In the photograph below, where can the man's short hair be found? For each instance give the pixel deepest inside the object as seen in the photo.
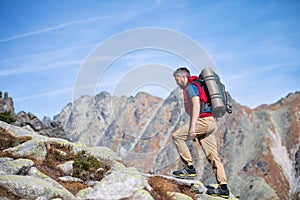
(182, 71)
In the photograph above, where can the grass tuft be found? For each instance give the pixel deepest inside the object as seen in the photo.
(161, 186)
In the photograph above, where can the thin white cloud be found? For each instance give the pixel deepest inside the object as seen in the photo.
(45, 94)
(30, 68)
(49, 53)
(33, 62)
(53, 28)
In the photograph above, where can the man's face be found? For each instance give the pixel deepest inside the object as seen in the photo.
(181, 81)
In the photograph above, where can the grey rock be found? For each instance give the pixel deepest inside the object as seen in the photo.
(28, 127)
(34, 172)
(199, 188)
(122, 184)
(46, 121)
(6, 103)
(177, 195)
(84, 192)
(141, 194)
(53, 129)
(5, 159)
(34, 149)
(29, 119)
(103, 153)
(92, 183)
(66, 168)
(27, 187)
(18, 132)
(70, 178)
(18, 167)
(46, 127)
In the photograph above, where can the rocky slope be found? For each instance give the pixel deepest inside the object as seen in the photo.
(259, 147)
(33, 166)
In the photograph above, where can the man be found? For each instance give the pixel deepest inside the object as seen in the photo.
(201, 126)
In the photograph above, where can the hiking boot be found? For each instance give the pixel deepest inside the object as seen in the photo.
(186, 172)
(220, 192)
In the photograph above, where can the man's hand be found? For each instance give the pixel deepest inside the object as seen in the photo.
(192, 133)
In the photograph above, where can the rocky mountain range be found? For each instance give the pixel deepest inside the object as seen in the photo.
(259, 147)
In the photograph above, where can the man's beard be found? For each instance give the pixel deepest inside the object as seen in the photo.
(181, 87)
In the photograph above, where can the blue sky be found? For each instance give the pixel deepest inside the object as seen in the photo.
(254, 44)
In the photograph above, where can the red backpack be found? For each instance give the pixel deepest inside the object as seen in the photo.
(205, 109)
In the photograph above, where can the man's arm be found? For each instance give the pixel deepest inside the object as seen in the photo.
(194, 116)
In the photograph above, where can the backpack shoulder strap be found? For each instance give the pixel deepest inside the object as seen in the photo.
(204, 102)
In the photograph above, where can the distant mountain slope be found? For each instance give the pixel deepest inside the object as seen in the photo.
(260, 147)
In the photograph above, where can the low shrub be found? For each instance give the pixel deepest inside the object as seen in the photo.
(87, 167)
(7, 117)
(7, 140)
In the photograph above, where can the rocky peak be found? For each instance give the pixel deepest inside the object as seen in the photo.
(291, 100)
(258, 146)
(6, 103)
(28, 120)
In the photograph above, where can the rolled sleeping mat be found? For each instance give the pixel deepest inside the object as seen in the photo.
(218, 107)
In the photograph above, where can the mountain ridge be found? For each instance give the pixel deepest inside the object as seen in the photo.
(260, 147)
(260, 136)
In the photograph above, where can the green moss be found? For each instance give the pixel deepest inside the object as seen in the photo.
(7, 117)
(86, 167)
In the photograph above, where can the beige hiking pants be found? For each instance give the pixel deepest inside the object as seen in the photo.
(205, 131)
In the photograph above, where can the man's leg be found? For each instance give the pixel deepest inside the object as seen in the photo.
(210, 148)
(180, 137)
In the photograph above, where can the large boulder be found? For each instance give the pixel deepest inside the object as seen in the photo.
(28, 187)
(33, 149)
(18, 167)
(122, 184)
